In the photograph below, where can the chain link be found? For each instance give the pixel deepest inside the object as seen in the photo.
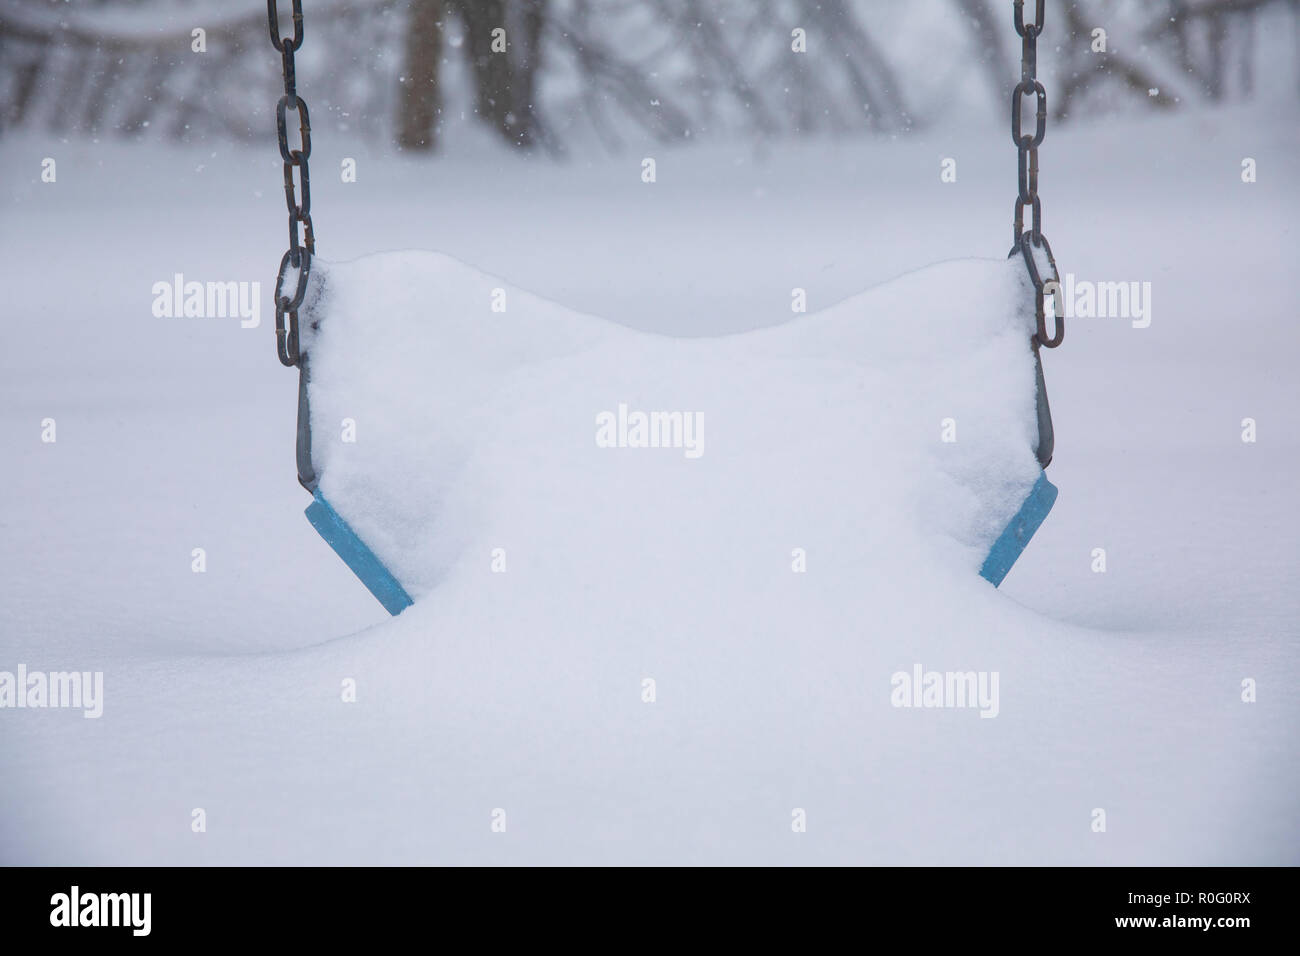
(1026, 242)
(297, 189)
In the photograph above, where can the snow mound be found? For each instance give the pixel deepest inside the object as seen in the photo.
(619, 646)
(460, 424)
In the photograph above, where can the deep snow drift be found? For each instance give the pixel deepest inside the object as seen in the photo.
(502, 421)
(523, 691)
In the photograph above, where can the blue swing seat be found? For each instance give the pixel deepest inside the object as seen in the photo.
(380, 582)
(338, 534)
(1009, 545)
(462, 364)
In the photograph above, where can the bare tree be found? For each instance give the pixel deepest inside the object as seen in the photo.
(542, 73)
(1083, 70)
(871, 76)
(527, 68)
(505, 51)
(989, 32)
(421, 99)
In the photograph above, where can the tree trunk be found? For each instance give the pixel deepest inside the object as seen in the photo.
(421, 100)
(492, 74)
(528, 64)
(989, 32)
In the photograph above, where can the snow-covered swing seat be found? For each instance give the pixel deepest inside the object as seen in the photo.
(448, 419)
(438, 436)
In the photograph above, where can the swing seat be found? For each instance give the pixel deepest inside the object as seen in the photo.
(361, 561)
(458, 423)
(1011, 543)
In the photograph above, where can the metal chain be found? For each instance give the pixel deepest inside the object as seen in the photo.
(1026, 241)
(301, 249)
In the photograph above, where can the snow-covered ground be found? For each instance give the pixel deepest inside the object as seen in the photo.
(523, 691)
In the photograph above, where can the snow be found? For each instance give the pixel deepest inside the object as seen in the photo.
(445, 432)
(523, 690)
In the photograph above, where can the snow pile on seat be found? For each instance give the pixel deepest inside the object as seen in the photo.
(654, 654)
(456, 418)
